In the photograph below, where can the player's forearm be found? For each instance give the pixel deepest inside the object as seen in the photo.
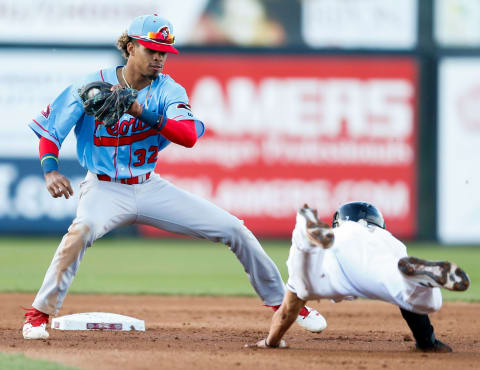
(284, 318)
(48, 152)
(178, 132)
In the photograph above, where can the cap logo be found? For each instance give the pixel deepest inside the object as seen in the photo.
(162, 36)
(165, 32)
(46, 112)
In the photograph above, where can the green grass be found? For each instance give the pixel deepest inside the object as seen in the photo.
(20, 362)
(184, 267)
(147, 266)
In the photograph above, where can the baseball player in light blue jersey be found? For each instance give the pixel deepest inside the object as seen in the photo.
(120, 187)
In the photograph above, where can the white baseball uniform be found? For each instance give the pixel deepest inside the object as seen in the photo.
(362, 262)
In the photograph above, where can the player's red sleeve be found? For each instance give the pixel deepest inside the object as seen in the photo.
(47, 147)
(48, 155)
(180, 132)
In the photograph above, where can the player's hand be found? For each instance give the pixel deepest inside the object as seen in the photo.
(135, 109)
(58, 185)
(106, 102)
(263, 344)
(115, 87)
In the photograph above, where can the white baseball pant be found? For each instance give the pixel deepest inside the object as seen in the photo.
(104, 205)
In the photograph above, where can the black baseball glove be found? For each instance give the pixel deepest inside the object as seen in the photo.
(105, 105)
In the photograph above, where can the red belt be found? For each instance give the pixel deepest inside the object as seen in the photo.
(129, 181)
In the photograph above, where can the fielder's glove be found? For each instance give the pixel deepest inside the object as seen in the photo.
(105, 105)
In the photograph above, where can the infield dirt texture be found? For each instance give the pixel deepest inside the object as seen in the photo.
(210, 333)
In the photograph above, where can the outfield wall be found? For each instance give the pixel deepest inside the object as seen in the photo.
(300, 129)
(313, 101)
(459, 150)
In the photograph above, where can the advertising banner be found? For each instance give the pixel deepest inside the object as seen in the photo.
(29, 80)
(457, 23)
(88, 22)
(284, 131)
(382, 24)
(25, 204)
(458, 151)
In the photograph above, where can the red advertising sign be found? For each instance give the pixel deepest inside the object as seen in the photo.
(282, 131)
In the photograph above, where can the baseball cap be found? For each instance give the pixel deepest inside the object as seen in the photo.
(153, 32)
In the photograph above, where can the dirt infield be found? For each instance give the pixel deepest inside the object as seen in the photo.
(210, 333)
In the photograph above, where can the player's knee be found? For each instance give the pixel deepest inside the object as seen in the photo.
(236, 229)
(72, 244)
(78, 234)
(433, 305)
(232, 232)
(70, 249)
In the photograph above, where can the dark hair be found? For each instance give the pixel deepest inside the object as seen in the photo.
(122, 43)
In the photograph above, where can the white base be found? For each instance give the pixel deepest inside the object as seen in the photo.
(97, 321)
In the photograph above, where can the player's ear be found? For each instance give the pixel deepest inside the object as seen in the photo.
(131, 46)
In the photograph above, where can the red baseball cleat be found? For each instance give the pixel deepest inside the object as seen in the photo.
(35, 326)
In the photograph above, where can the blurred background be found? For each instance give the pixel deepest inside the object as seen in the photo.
(317, 101)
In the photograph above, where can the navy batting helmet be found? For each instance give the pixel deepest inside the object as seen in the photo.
(355, 211)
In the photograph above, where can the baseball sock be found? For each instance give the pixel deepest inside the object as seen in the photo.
(421, 328)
